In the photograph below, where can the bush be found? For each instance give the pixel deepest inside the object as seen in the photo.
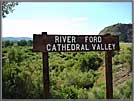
(121, 93)
(90, 61)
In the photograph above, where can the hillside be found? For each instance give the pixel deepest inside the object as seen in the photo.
(123, 30)
(16, 38)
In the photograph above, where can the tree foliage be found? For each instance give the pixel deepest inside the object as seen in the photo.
(8, 7)
(7, 43)
(25, 43)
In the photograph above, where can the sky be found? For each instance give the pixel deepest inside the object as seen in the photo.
(77, 18)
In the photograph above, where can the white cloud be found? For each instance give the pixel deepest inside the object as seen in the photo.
(19, 28)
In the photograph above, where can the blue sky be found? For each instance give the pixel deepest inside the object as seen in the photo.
(90, 18)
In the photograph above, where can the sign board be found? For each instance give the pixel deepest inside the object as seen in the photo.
(70, 43)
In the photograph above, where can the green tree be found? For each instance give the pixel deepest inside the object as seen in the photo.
(29, 43)
(7, 43)
(7, 7)
(22, 43)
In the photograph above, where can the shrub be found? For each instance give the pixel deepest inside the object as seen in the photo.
(90, 61)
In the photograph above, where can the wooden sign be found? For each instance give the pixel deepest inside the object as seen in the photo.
(70, 43)
(74, 43)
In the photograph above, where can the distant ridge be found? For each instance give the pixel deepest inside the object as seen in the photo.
(16, 38)
(124, 31)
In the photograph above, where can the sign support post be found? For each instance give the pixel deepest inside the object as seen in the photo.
(45, 73)
(108, 71)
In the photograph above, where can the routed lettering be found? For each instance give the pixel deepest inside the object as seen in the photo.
(69, 43)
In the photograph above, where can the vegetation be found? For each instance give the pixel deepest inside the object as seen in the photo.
(7, 7)
(25, 43)
(7, 43)
(73, 75)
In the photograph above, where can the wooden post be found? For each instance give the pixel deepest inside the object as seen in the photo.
(109, 81)
(45, 73)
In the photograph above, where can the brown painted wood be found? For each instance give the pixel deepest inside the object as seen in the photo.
(45, 73)
(108, 71)
(40, 41)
